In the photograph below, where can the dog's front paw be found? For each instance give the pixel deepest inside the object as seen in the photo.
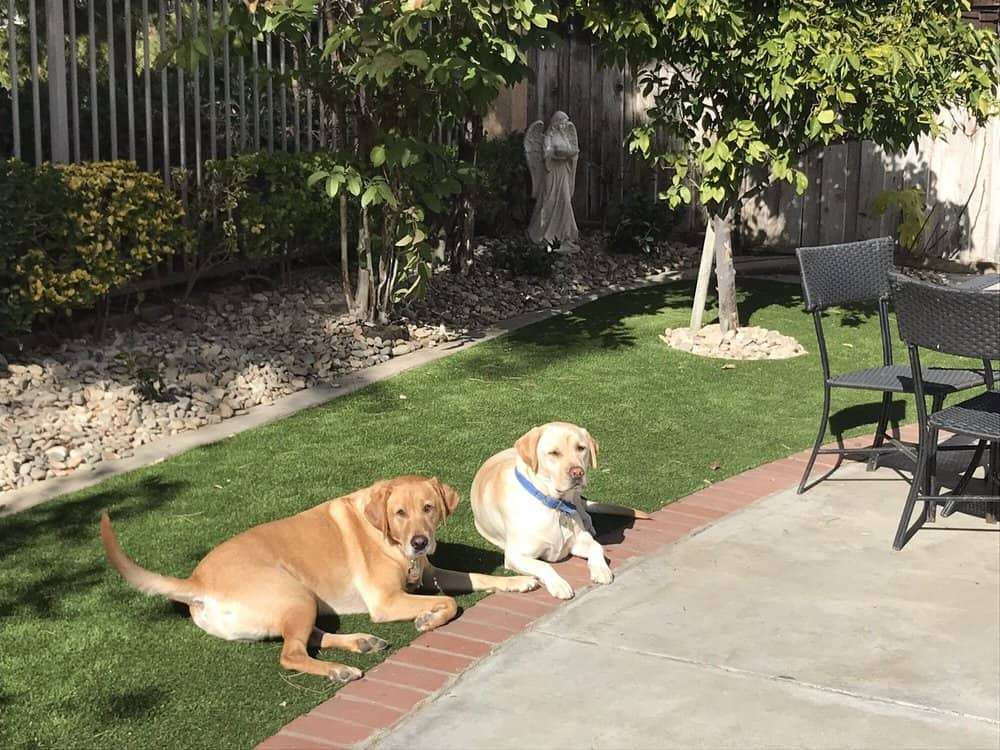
(365, 643)
(519, 584)
(559, 588)
(343, 673)
(601, 574)
(434, 618)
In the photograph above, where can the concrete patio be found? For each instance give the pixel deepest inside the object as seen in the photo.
(789, 624)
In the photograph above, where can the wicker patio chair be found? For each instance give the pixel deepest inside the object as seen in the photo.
(966, 324)
(858, 272)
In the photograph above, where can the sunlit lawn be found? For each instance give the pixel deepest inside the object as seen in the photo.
(87, 662)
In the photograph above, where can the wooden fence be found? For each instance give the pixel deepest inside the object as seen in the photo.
(959, 173)
(81, 84)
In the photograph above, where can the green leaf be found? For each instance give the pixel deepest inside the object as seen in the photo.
(378, 156)
(826, 116)
(417, 58)
(316, 177)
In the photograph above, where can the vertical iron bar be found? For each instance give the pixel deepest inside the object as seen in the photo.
(309, 101)
(270, 96)
(256, 96)
(95, 141)
(322, 106)
(129, 79)
(164, 104)
(211, 83)
(181, 139)
(284, 97)
(241, 81)
(195, 13)
(55, 48)
(146, 85)
(228, 109)
(12, 44)
(36, 107)
(112, 91)
(296, 122)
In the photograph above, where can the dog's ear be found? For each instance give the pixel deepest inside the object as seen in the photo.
(449, 497)
(527, 447)
(592, 444)
(376, 510)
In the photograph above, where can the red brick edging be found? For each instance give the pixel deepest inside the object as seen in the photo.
(407, 678)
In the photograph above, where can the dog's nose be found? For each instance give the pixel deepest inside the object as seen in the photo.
(419, 543)
(576, 472)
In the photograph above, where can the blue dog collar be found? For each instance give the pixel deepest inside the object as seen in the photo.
(549, 502)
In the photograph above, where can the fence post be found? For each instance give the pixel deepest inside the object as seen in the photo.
(55, 38)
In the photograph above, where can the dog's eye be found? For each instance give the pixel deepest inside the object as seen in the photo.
(555, 453)
(581, 447)
(401, 513)
(428, 508)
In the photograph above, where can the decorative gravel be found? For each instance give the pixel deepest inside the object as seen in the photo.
(67, 408)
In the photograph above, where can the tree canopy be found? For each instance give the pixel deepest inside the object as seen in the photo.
(747, 88)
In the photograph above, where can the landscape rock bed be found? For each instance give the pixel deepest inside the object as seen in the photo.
(747, 343)
(69, 407)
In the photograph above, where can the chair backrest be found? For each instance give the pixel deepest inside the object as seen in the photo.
(839, 274)
(947, 319)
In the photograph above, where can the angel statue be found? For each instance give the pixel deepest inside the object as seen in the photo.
(552, 155)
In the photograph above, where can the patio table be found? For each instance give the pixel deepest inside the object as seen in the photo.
(987, 282)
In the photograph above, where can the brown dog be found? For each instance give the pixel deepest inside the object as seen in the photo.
(362, 553)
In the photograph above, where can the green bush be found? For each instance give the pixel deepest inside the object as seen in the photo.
(504, 187)
(643, 222)
(259, 205)
(71, 234)
(521, 256)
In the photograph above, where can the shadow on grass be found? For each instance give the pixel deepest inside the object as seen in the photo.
(70, 523)
(466, 558)
(861, 415)
(133, 704)
(601, 327)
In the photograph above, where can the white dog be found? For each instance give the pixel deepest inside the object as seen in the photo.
(527, 501)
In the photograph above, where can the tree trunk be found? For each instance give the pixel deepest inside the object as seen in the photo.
(729, 319)
(370, 282)
(465, 226)
(345, 272)
(704, 276)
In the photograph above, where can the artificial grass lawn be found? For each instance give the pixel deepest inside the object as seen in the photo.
(87, 662)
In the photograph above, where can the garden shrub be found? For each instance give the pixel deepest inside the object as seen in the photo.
(504, 201)
(643, 222)
(259, 205)
(72, 234)
(521, 256)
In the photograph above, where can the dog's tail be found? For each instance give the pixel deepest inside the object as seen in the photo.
(146, 581)
(616, 510)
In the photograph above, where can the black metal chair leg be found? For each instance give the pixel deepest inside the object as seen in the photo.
(819, 440)
(963, 484)
(993, 478)
(930, 506)
(883, 423)
(903, 532)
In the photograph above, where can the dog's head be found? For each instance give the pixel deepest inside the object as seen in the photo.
(558, 454)
(408, 511)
